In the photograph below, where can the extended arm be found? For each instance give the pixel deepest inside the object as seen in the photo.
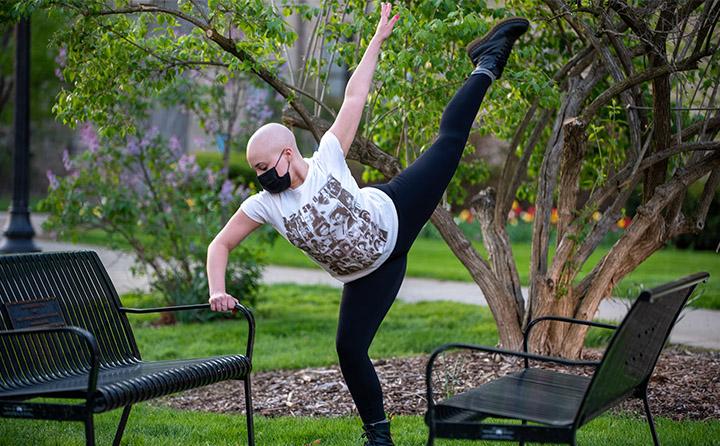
(358, 87)
(234, 232)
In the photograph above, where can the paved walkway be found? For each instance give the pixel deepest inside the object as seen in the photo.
(698, 328)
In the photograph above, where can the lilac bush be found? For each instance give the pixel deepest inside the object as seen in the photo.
(145, 193)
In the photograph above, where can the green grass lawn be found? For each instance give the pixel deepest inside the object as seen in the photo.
(295, 328)
(432, 258)
(155, 426)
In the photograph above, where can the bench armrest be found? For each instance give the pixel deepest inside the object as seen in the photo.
(238, 307)
(500, 351)
(568, 320)
(84, 335)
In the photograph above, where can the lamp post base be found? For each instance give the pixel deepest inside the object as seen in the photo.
(18, 234)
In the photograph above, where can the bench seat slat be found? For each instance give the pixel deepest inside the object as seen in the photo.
(120, 386)
(539, 395)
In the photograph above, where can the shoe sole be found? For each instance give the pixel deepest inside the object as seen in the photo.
(480, 40)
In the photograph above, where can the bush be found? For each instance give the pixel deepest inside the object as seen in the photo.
(162, 204)
(239, 170)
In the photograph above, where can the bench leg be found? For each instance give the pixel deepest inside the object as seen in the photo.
(89, 430)
(524, 423)
(249, 412)
(650, 419)
(430, 421)
(121, 426)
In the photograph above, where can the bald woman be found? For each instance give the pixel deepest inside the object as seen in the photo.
(361, 236)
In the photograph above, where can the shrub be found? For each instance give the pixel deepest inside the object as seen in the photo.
(239, 170)
(161, 203)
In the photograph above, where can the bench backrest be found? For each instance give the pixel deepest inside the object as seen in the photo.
(81, 288)
(635, 347)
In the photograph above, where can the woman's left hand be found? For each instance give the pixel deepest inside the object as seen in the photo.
(385, 26)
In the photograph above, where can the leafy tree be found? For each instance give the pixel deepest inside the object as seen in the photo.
(601, 100)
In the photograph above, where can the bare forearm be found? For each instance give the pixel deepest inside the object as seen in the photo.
(358, 86)
(217, 258)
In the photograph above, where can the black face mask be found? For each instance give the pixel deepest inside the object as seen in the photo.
(272, 182)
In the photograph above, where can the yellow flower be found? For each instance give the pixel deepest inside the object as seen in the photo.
(190, 202)
(97, 212)
(554, 217)
(596, 216)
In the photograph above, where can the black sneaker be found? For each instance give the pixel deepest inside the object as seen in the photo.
(377, 434)
(492, 50)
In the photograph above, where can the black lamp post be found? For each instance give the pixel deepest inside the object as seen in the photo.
(19, 232)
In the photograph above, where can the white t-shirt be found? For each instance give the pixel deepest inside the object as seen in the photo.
(346, 230)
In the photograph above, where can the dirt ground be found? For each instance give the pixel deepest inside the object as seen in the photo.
(685, 386)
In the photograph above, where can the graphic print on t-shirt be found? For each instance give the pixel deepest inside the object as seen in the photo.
(335, 231)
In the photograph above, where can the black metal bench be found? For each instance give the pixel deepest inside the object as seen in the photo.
(64, 334)
(558, 404)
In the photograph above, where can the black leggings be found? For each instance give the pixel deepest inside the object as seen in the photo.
(416, 191)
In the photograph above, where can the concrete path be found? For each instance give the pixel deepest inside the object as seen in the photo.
(697, 327)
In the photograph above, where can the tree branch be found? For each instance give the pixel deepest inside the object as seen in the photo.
(606, 273)
(362, 150)
(229, 46)
(497, 244)
(619, 87)
(697, 223)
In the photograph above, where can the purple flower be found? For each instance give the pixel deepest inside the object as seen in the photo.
(175, 146)
(54, 183)
(89, 137)
(60, 60)
(149, 136)
(170, 179)
(130, 180)
(226, 192)
(61, 57)
(66, 160)
(133, 149)
(198, 141)
(211, 179)
(187, 165)
(211, 126)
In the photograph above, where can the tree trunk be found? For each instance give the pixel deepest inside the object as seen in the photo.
(500, 301)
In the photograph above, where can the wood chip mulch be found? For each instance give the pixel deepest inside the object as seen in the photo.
(685, 386)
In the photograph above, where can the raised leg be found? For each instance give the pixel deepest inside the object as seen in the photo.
(121, 426)
(417, 190)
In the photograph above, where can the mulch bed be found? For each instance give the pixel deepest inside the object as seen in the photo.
(684, 386)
